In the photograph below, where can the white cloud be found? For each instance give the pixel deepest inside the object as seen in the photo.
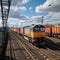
(17, 20)
(30, 8)
(52, 7)
(49, 6)
(12, 22)
(32, 20)
(9, 19)
(19, 2)
(52, 18)
(16, 9)
(15, 12)
(25, 1)
(35, 19)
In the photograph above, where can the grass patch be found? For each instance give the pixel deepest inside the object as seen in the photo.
(1, 32)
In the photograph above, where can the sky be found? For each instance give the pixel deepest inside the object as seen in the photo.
(27, 12)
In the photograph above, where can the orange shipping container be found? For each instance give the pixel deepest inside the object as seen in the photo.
(17, 30)
(48, 29)
(54, 30)
(58, 30)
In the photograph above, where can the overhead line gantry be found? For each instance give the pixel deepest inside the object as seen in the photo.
(5, 7)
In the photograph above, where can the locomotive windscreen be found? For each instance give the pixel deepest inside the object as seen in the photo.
(36, 28)
(42, 28)
(39, 28)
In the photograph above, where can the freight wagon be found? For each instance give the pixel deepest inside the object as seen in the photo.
(56, 31)
(53, 31)
(48, 31)
(17, 30)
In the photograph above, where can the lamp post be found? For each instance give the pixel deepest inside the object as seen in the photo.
(42, 20)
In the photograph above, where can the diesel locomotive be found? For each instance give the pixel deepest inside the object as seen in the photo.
(34, 33)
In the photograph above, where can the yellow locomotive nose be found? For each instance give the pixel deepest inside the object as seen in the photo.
(38, 34)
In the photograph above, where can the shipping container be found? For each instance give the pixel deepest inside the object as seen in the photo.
(54, 31)
(58, 31)
(48, 31)
(17, 30)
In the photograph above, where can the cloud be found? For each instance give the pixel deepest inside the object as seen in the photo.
(20, 17)
(35, 20)
(30, 8)
(17, 20)
(52, 7)
(16, 12)
(49, 6)
(31, 20)
(19, 2)
(52, 18)
(16, 9)
(12, 21)
(25, 1)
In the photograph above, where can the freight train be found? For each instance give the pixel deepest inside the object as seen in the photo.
(33, 33)
(53, 31)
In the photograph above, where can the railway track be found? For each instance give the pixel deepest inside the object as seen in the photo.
(47, 53)
(14, 50)
(54, 40)
(19, 51)
(33, 55)
(10, 54)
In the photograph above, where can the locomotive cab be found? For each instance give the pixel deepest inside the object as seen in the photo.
(37, 33)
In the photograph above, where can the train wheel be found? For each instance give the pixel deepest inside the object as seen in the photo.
(59, 36)
(22, 36)
(30, 40)
(54, 35)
